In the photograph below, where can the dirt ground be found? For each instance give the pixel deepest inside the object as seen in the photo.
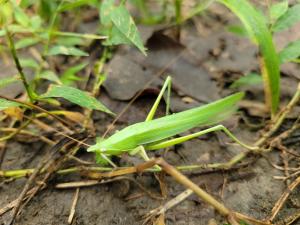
(203, 65)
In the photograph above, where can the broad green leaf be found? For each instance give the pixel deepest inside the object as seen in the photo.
(2, 33)
(26, 42)
(106, 7)
(29, 63)
(249, 79)
(69, 41)
(278, 9)
(257, 28)
(36, 22)
(6, 13)
(63, 50)
(290, 52)
(50, 75)
(125, 24)
(8, 80)
(75, 96)
(4, 104)
(21, 16)
(69, 75)
(288, 19)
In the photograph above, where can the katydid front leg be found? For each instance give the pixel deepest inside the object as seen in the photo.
(167, 84)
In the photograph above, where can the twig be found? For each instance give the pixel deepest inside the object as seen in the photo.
(278, 205)
(179, 177)
(72, 211)
(88, 183)
(47, 160)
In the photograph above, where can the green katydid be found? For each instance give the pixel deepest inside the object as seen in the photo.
(152, 134)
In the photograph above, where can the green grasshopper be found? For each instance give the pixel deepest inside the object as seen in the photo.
(153, 134)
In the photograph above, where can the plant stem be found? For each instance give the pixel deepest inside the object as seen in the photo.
(13, 51)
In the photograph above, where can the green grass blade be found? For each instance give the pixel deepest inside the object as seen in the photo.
(256, 26)
(75, 96)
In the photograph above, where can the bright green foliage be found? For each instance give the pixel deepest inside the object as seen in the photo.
(238, 30)
(63, 50)
(257, 28)
(75, 96)
(288, 19)
(4, 104)
(27, 42)
(290, 52)
(75, 4)
(249, 79)
(145, 133)
(28, 63)
(49, 75)
(120, 26)
(69, 75)
(278, 9)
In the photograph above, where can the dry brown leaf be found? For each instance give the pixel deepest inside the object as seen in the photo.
(73, 116)
(160, 220)
(14, 112)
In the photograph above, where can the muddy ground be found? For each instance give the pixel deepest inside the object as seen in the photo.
(203, 65)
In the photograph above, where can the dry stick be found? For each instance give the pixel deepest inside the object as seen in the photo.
(214, 167)
(29, 133)
(12, 204)
(170, 204)
(179, 177)
(72, 211)
(278, 205)
(50, 114)
(38, 108)
(158, 74)
(93, 182)
(278, 121)
(32, 177)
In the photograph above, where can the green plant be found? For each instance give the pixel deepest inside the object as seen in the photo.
(260, 30)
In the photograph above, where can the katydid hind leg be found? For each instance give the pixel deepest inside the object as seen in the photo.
(179, 140)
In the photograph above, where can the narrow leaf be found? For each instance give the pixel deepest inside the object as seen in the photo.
(50, 75)
(63, 50)
(290, 52)
(107, 6)
(125, 24)
(287, 20)
(4, 104)
(26, 42)
(257, 28)
(75, 96)
(278, 9)
(21, 16)
(29, 63)
(249, 79)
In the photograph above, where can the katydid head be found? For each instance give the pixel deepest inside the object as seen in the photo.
(99, 147)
